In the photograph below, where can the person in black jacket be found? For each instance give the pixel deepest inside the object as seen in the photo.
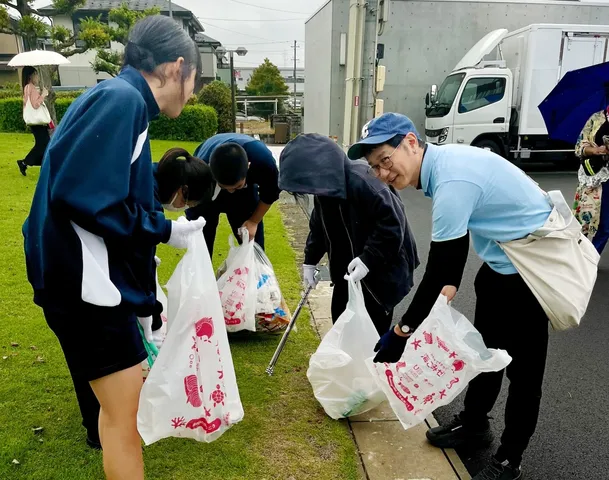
(357, 220)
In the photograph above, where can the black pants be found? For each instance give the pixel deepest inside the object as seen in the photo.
(41, 135)
(381, 317)
(509, 317)
(238, 207)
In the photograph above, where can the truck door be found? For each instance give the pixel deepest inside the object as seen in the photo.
(483, 107)
(581, 51)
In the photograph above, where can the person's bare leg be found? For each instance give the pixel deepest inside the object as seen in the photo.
(118, 395)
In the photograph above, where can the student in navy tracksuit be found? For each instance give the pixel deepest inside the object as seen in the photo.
(93, 228)
(246, 175)
(180, 180)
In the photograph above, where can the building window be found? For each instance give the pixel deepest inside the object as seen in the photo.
(480, 92)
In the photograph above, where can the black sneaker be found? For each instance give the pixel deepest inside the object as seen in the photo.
(22, 167)
(499, 471)
(95, 444)
(458, 433)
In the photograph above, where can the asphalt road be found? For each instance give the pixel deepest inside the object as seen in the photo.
(572, 438)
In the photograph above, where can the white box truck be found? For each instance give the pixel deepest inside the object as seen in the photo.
(491, 97)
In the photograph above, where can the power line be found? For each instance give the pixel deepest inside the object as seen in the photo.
(234, 31)
(269, 8)
(252, 20)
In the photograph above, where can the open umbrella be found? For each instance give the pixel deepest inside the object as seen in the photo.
(578, 95)
(37, 58)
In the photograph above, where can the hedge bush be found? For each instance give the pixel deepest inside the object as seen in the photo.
(11, 115)
(197, 122)
(217, 95)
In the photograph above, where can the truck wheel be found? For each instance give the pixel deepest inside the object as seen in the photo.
(488, 144)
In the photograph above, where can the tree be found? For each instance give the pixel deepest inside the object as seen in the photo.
(93, 34)
(217, 95)
(266, 80)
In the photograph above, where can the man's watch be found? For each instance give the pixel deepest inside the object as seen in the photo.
(406, 330)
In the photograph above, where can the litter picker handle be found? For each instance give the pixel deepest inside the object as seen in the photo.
(284, 338)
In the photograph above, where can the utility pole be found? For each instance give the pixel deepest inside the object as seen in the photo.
(295, 60)
(232, 90)
(170, 10)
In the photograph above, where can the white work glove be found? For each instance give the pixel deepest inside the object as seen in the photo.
(157, 338)
(181, 230)
(146, 324)
(309, 275)
(357, 270)
(157, 260)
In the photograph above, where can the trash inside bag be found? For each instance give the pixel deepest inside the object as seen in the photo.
(337, 370)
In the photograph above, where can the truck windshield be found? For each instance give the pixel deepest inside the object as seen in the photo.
(446, 96)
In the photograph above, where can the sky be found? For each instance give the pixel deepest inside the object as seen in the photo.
(266, 28)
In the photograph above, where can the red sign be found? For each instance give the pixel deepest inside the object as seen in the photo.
(356, 103)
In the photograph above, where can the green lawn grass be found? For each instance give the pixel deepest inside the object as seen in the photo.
(284, 435)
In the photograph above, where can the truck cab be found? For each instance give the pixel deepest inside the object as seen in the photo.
(473, 104)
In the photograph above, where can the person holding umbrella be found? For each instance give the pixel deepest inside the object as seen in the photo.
(36, 116)
(575, 111)
(591, 204)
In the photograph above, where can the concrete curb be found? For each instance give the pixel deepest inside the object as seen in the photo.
(385, 449)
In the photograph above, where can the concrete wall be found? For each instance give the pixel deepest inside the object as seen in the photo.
(318, 55)
(424, 40)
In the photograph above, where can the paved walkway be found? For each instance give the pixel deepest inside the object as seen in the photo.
(386, 450)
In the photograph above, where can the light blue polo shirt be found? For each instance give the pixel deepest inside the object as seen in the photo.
(474, 189)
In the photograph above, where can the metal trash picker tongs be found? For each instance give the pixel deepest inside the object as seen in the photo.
(286, 334)
(305, 203)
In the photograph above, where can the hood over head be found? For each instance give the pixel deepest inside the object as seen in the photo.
(315, 165)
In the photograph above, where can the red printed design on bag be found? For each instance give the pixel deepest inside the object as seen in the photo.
(191, 386)
(453, 355)
(209, 427)
(178, 422)
(458, 365)
(399, 365)
(217, 396)
(232, 321)
(397, 393)
(205, 328)
(452, 382)
(404, 387)
(442, 394)
(442, 344)
(428, 338)
(416, 344)
(428, 399)
(238, 271)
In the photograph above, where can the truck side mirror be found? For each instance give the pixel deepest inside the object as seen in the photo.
(433, 94)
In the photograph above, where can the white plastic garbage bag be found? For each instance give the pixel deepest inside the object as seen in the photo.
(237, 286)
(272, 313)
(443, 355)
(191, 390)
(337, 370)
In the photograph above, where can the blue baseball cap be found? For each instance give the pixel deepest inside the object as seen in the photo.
(381, 130)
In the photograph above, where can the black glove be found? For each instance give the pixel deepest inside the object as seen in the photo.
(390, 347)
(157, 321)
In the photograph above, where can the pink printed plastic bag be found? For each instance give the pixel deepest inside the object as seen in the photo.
(443, 355)
(191, 390)
(237, 286)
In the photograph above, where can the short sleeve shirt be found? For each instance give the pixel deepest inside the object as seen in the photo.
(475, 190)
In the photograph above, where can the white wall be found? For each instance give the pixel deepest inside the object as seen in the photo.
(318, 58)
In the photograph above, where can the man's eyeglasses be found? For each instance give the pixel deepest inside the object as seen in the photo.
(385, 164)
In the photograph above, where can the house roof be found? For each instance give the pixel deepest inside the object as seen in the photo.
(98, 6)
(202, 38)
(138, 5)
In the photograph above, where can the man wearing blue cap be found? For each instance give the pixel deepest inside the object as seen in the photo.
(476, 194)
